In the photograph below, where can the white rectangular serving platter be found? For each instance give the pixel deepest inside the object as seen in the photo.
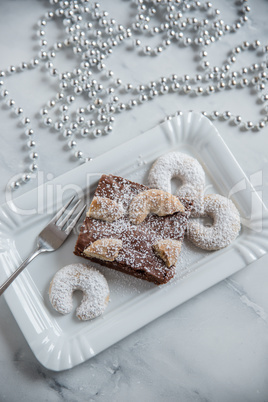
(61, 342)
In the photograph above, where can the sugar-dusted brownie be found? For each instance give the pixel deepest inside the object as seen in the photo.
(116, 235)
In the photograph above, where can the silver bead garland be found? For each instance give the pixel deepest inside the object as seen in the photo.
(92, 35)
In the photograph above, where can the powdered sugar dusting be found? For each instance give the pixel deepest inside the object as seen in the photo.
(79, 277)
(225, 227)
(187, 169)
(137, 256)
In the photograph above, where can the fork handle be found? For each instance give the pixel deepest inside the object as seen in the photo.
(13, 276)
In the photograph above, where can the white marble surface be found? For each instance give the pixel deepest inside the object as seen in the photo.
(215, 346)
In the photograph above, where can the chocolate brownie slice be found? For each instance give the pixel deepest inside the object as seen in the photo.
(136, 255)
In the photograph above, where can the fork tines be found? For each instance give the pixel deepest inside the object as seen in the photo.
(61, 222)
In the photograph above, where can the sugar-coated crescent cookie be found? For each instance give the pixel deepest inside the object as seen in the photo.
(187, 169)
(79, 277)
(225, 227)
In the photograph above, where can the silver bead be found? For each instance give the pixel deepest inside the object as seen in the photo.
(237, 120)
(255, 67)
(26, 121)
(158, 49)
(23, 66)
(79, 154)
(108, 129)
(33, 155)
(175, 86)
(129, 87)
(209, 76)
(248, 125)
(97, 133)
(221, 85)
(58, 125)
(78, 90)
(43, 112)
(111, 109)
(73, 126)
(187, 88)
(215, 115)
(179, 36)
(210, 89)
(232, 59)
(237, 50)
(244, 82)
(167, 118)
(29, 132)
(98, 102)
(143, 98)
(205, 64)
(187, 41)
(70, 99)
(147, 50)
(199, 41)
(59, 96)
(11, 102)
(34, 63)
(232, 83)
(15, 185)
(33, 167)
(91, 123)
(4, 93)
(67, 133)
(246, 9)
(244, 70)
(186, 78)
(84, 132)
(121, 107)
(114, 99)
(164, 89)
(102, 118)
(31, 144)
(91, 107)
(199, 91)
(12, 69)
(140, 88)
(132, 103)
(48, 121)
(19, 111)
(261, 87)
(71, 144)
(26, 177)
(52, 103)
(204, 53)
(226, 115)
(65, 118)
(226, 67)
(80, 119)
(261, 124)
(245, 45)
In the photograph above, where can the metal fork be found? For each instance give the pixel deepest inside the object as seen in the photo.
(50, 238)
